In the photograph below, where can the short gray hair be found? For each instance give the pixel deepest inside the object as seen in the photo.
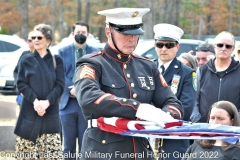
(45, 29)
(225, 32)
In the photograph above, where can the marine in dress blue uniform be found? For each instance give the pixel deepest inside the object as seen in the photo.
(114, 83)
(181, 79)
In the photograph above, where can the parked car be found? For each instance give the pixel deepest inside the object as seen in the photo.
(146, 48)
(11, 48)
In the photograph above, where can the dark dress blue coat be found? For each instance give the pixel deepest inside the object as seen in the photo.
(37, 78)
(186, 93)
(111, 84)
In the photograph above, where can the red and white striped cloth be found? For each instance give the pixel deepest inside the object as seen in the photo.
(169, 130)
(116, 124)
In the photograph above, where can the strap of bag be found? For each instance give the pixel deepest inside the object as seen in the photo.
(54, 62)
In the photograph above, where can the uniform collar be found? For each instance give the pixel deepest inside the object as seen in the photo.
(166, 65)
(117, 56)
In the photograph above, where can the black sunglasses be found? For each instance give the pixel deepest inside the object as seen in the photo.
(38, 37)
(29, 40)
(228, 46)
(167, 45)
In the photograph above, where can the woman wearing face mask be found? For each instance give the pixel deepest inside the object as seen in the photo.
(224, 113)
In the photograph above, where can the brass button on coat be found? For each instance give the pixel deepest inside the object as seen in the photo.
(134, 95)
(134, 103)
(128, 75)
(119, 56)
(103, 141)
(124, 100)
(125, 66)
(132, 85)
(113, 85)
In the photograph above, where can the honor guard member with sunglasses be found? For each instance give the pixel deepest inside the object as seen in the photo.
(180, 78)
(218, 79)
(118, 83)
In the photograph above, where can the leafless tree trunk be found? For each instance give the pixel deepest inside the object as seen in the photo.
(23, 9)
(79, 10)
(231, 10)
(88, 11)
(117, 3)
(172, 11)
(61, 20)
(200, 26)
(53, 19)
(148, 20)
(209, 27)
(101, 30)
(201, 21)
(167, 11)
(176, 12)
(159, 11)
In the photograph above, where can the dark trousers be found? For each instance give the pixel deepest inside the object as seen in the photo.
(173, 149)
(73, 127)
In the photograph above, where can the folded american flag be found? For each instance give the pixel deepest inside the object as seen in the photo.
(170, 130)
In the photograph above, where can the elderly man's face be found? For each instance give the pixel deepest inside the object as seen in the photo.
(125, 43)
(224, 46)
(165, 54)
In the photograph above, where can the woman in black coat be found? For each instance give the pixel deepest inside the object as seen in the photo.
(41, 81)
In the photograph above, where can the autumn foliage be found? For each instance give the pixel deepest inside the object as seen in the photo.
(195, 17)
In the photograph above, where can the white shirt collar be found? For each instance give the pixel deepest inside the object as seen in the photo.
(166, 65)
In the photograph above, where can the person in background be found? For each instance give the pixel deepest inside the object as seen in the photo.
(204, 52)
(73, 121)
(31, 50)
(180, 78)
(217, 79)
(41, 81)
(15, 71)
(224, 113)
(188, 60)
(118, 83)
(236, 56)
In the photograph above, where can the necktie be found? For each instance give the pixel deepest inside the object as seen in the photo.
(163, 69)
(80, 51)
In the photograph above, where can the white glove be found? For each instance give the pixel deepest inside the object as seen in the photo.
(150, 113)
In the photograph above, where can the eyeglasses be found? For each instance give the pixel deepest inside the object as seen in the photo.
(38, 38)
(167, 45)
(228, 46)
(29, 40)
